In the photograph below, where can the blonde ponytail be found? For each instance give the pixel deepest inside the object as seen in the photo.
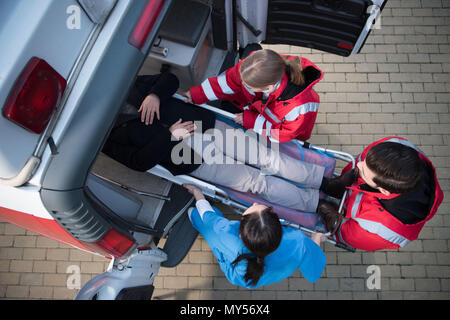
(294, 70)
(267, 67)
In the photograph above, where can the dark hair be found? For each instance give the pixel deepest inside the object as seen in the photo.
(267, 67)
(398, 168)
(261, 233)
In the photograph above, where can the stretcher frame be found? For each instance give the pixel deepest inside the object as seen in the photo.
(218, 194)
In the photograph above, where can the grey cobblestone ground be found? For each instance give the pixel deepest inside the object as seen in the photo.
(399, 85)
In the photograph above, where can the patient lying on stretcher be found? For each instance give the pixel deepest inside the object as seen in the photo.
(165, 130)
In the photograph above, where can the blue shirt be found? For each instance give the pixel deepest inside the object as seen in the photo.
(296, 251)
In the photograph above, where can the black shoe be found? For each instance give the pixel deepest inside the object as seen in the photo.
(335, 187)
(329, 213)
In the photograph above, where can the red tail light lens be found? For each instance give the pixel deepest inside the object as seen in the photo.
(35, 96)
(345, 45)
(144, 26)
(113, 243)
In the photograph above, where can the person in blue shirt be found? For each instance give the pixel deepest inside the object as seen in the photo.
(257, 250)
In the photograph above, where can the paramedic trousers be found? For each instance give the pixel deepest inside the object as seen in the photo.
(238, 160)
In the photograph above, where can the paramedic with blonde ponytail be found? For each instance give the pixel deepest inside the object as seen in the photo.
(275, 93)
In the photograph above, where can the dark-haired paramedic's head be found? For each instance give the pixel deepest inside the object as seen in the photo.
(260, 231)
(391, 167)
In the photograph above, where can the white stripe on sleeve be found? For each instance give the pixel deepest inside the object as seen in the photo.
(222, 80)
(259, 124)
(208, 90)
(382, 231)
(301, 110)
(271, 115)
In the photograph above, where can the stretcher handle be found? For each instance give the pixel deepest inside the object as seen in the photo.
(309, 231)
(344, 246)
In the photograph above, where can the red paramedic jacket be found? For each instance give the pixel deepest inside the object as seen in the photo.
(367, 225)
(280, 120)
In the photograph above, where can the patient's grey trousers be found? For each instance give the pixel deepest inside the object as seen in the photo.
(240, 161)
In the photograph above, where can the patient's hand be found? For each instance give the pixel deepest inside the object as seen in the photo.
(148, 109)
(181, 130)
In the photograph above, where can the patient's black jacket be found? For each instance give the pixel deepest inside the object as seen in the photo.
(140, 146)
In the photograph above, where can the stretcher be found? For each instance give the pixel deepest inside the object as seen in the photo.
(308, 222)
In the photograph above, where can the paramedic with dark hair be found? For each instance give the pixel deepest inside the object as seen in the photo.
(257, 250)
(271, 94)
(394, 191)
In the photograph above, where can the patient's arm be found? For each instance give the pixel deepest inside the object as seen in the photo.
(163, 85)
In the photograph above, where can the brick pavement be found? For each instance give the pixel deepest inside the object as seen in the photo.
(399, 85)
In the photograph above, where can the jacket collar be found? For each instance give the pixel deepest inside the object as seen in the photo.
(361, 186)
(283, 83)
(312, 76)
(274, 95)
(308, 63)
